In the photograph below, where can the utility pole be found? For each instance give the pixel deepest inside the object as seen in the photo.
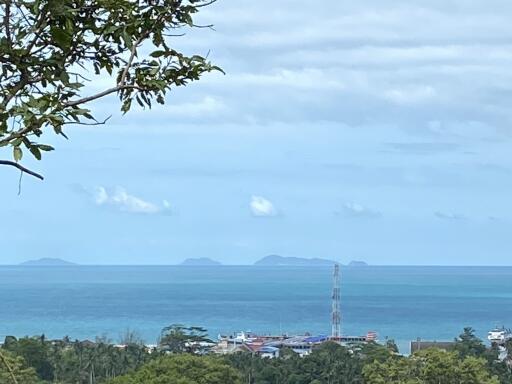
(336, 310)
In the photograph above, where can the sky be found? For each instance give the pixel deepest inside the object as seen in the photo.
(348, 130)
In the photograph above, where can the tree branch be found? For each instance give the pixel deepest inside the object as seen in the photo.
(96, 122)
(101, 94)
(37, 29)
(205, 4)
(130, 61)
(21, 168)
(24, 80)
(7, 22)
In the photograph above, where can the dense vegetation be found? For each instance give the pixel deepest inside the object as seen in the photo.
(39, 361)
(183, 369)
(74, 362)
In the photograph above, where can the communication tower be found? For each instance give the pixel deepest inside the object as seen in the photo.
(336, 310)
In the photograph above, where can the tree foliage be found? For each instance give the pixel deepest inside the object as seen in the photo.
(468, 344)
(38, 360)
(330, 364)
(51, 49)
(431, 366)
(76, 362)
(14, 370)
(183, 369)
(35, 352)
(178, 338)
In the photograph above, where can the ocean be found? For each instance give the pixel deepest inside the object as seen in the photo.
(400, 303)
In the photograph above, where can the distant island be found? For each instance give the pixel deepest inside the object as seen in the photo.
(47, 262)
(276, 260)
(200, 261)
(356, 263)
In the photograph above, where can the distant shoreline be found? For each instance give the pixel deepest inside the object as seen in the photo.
(371, 266)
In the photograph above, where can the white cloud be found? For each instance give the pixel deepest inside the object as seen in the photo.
(449, 216)
(410, 95)
(206, 106)
(120, 199)
(353, 209)
(100, 196)
(261, 207)
(308, 78)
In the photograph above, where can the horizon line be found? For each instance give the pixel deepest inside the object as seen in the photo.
(255, 265)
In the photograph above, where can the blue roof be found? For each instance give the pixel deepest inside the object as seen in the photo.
(268, 349)
(315, 339)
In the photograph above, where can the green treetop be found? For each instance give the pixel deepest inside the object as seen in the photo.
(182, 369)
(14, 370)
(431, 366)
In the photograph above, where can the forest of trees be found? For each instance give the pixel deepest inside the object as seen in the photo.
(36, 360)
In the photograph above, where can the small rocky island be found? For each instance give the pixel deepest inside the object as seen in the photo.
(47, 262)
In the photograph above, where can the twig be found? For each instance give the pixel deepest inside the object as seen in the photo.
(101, 94)
(205, 4)
(130, 61)
(7, 23)
(21, 168)
(96, 122)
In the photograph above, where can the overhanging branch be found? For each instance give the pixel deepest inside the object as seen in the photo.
(101, 94)
(21, 168)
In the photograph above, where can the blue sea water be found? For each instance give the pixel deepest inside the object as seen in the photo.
(402, 303)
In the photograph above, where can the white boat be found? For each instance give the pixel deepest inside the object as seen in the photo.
(499, 335)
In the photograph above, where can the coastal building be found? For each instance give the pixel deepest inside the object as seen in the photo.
(499, 336)
(269, 352)
(271, 345)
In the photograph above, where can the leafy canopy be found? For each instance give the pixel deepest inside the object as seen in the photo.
(177, 338)
(14, 370)
(431, 366)
(50, 49)
(182, 369)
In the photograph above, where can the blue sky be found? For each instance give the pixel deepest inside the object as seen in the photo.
(349, 130)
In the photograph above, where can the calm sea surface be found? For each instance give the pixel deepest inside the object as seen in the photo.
(402, 303)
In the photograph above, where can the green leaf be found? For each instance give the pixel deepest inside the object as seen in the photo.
(58, 130)
(127, 40)
(110, 29)
(46, 148)
(64, 77)
(17, 153)
(17, 142)
(62, 39)
(126, 105)
(36, 152)
(157, 53)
